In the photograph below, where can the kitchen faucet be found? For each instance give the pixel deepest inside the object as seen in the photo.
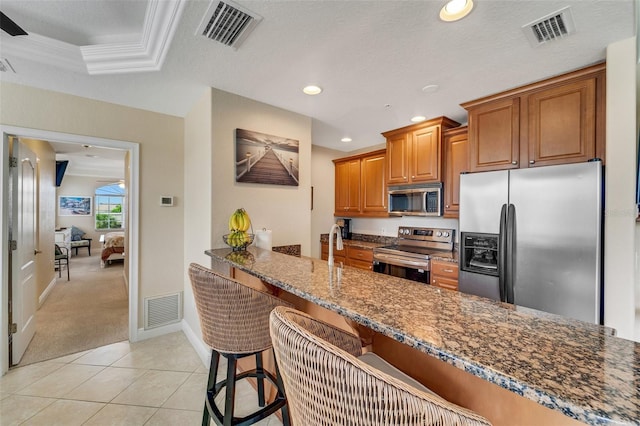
(335, 228)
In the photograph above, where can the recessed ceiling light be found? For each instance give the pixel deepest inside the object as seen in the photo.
(312, 90)
(418, 118)
(455, 10)
(429, 88)
(345, 140)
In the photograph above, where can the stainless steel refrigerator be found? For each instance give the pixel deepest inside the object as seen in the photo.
(533, 237)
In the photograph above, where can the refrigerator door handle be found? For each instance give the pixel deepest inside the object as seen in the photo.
(502, 258)
(510, 253)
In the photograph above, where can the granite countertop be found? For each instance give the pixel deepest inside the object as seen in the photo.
(574, 367)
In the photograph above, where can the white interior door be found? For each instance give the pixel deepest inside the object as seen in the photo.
(22, 301)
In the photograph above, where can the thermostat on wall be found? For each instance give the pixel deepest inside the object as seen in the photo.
(166, 201)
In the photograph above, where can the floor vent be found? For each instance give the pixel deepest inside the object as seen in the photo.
(162, 310)
(551, 27)
(227, 23)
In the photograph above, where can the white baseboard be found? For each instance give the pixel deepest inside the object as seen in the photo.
(46, 291)
(158, 331)
(203, 351)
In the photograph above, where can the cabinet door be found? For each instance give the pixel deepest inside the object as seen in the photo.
(494, 135)
(347, 194)
(425, 155)
(456, 161)
(562, 126)
(397, 159)
(374, 185)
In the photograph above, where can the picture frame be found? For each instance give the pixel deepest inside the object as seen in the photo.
(75, 205)
(266, 159)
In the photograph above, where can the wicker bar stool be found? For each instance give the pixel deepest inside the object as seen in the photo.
(235, 324)
(328, 384)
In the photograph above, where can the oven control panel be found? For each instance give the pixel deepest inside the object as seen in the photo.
(426, 234)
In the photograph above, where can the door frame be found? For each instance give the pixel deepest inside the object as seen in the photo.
(133, 224)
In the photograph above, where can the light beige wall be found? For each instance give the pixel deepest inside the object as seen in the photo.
(46, 212)
(197, 197)
(620, 214)
(161, 172)
(81, 186)
(286, 210)
(323, 182)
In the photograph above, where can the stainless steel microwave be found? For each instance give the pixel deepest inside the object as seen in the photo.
(423, 200)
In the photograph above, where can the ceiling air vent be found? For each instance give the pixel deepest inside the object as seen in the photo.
(228, 23)
(552, 27)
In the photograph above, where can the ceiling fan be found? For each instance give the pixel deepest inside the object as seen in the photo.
(10, 27)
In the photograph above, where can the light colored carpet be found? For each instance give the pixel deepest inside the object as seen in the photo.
(89, 311)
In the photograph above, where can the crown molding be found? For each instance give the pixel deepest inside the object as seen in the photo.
(160, 23)
(45, 50)
(161, 20)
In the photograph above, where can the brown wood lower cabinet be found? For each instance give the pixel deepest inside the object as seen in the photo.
(360, 258)
(338, 255)
(444, 274)
(357, 257)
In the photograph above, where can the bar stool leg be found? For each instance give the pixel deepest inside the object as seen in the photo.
(230, 391)
(280, 383)
(211, 383)
(260, 379)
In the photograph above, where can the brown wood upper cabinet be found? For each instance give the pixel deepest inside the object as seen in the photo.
(456, 161)
(361, 185)
(414, 153)
(555, 121)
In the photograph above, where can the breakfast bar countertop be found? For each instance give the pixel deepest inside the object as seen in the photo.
(574, 367)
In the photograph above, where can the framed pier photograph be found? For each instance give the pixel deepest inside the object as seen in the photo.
(267, 159)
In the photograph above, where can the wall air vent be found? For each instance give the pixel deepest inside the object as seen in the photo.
(227, 23)
(552, 27)
(162, 310)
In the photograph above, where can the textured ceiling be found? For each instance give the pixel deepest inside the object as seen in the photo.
(371, 57)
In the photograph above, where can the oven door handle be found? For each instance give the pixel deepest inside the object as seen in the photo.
(400, 261)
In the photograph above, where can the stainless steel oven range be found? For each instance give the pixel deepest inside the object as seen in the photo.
(410, 257)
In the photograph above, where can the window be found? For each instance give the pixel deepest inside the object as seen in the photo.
(109, 206)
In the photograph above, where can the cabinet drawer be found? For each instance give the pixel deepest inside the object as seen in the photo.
(446, 283)
(356, 253)
(444, 269)
(360, 264)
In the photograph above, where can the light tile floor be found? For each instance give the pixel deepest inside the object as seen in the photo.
(159, 381)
